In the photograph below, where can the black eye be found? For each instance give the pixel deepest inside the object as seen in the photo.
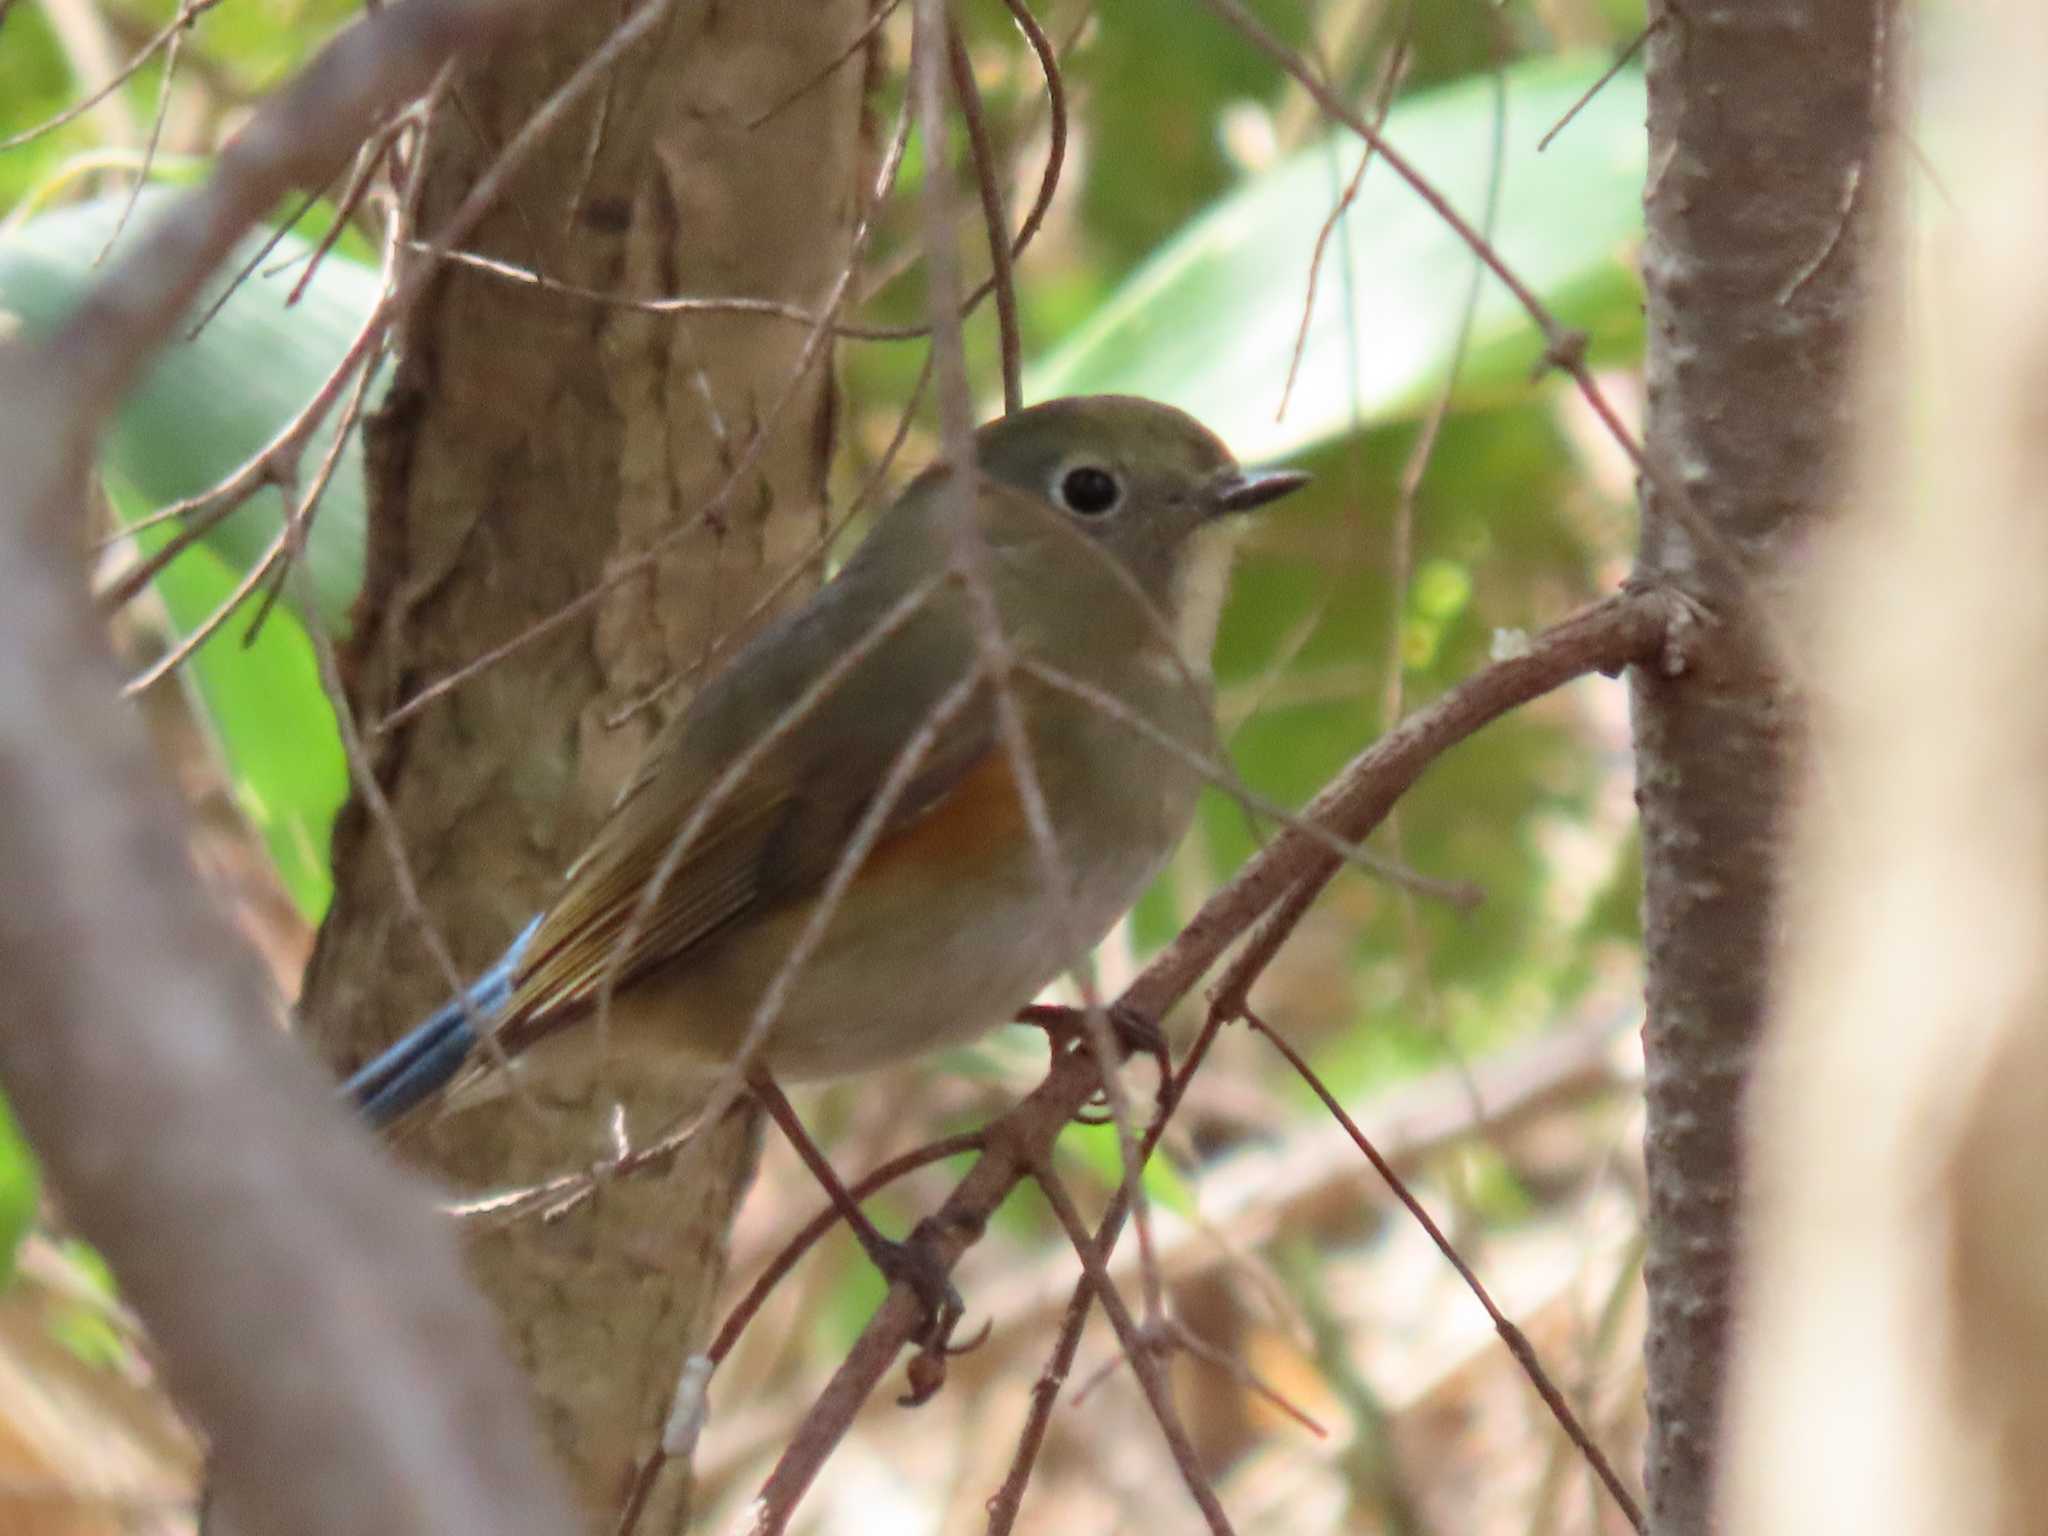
(1089, 490)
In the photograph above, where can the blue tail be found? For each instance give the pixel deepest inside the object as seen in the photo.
(420, 1064)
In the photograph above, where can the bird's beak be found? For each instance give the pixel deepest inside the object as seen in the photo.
(1243, 489)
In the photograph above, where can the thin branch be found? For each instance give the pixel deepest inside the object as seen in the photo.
(807, 559)
(1634, 627)
(972, 562)
(1516, 1342)
(1005, 1504)
(1606, 79)
(1179, 1336)
(1142, 1352)
(189, 12)
(1048, 181)
(275, 463)
(1383, 101)
(275, 236)
(1563, 347)
(807, 1236)
(149, 147)
(968, 94)
(826, 71)
(1461, 895)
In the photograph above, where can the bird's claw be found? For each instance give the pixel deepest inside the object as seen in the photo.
(914, 1265)
(1067, 1029)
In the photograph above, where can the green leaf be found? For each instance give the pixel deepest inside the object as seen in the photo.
(20, 1191)
(268, 714)
(207, 404)
(1209, 323)
(211, 401)
(1095, 1148)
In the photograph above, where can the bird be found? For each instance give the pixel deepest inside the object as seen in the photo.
(875, 722)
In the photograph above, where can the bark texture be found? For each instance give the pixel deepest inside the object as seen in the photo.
(1763, 124)
(532, 444)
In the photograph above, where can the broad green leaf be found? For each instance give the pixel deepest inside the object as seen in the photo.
(1209, 324)
(206, 405)
(211, 401)
(269, 715)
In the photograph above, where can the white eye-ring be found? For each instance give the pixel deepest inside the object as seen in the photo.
(1087, 490)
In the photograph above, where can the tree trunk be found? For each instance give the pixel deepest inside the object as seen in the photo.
(1763, 123)
(533, 444)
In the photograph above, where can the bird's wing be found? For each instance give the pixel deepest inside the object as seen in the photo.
(775, 838)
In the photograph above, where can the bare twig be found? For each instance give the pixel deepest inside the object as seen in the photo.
(1004, 1505)
(1142, 1352)
(838, 61)
(985, 173)
(1563, 348)
(1383, 101)
(1048, 181)
(167, 34)
(149, 147)
(1511, 1336)
(1607, 75)
(971, 560)
(1633, 627)
(1459, 894)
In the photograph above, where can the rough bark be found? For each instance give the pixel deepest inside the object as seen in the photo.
(532, 444)
(1762, 124)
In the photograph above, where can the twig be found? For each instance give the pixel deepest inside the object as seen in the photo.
(1607, 75)
(968, 94)
(1005, 1504)
(275, 463)
(187, 14)
(1460, 895)
(1141, 1351)
(1383, 101)
(808, 559)
(149, 147)
(810, 1232)
(1563, 348)
(1516, 1342)
(1632, 627)
(971, 560)
(1048, 181)
(826, 71)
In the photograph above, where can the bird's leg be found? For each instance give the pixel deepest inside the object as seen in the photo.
(909, 1262)
(1067, 1029)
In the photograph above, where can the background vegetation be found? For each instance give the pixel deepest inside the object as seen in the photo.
(1211, 244)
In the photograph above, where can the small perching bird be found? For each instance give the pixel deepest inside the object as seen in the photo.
(870, 713)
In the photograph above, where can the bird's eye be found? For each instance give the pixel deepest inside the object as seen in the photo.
(1089, 490)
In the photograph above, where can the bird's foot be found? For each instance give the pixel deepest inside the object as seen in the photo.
(914, 1264)
(1066, 1029)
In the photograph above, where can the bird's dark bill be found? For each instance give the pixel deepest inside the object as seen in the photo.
(1247, 489)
